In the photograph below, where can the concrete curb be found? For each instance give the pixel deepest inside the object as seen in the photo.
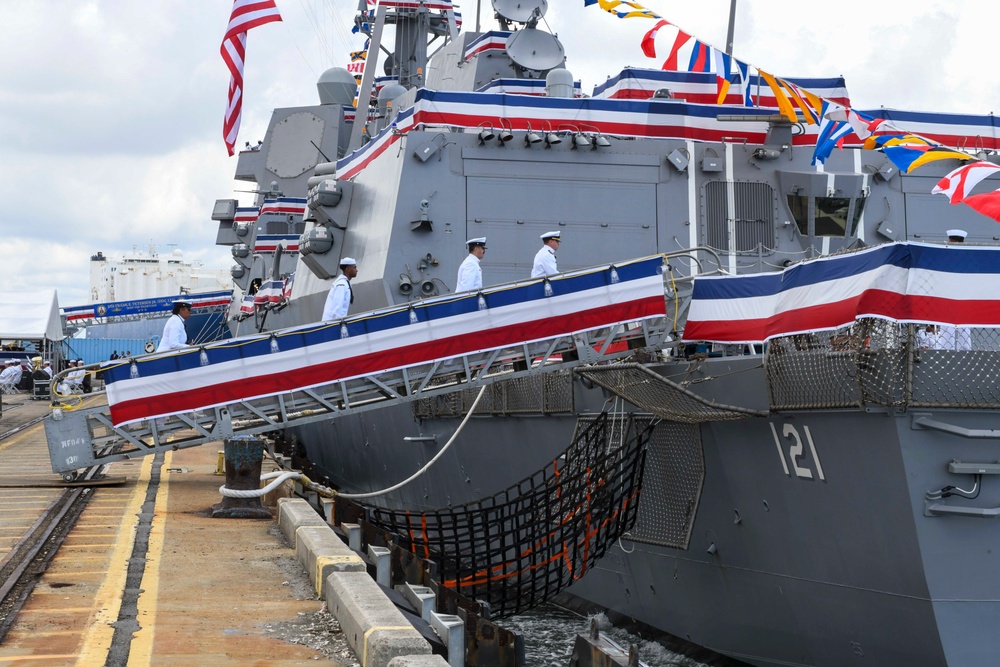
(373, 627)
(376, 631)
(418, 661)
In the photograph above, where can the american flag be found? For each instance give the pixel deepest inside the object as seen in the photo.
(246, 14)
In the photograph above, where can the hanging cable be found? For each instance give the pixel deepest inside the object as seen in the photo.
(454, 436)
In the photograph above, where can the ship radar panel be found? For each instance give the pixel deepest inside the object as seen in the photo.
(520, 11)
(535, 49)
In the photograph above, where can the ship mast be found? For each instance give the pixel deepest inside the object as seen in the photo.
(732, 27)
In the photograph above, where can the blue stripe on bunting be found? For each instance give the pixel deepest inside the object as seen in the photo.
(904, 255)
(394, 318)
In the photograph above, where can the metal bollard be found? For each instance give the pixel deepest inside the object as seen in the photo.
(380, 556)
(244, 455)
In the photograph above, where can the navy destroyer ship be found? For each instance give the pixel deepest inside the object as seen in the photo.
(812, 494)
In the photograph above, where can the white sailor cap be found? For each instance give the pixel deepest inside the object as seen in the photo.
(481, 240)
(551, 235)
(959, 233)
(348, 261)
(181, 302)
(10, 362)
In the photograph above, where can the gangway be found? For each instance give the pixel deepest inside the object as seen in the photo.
(291, 377)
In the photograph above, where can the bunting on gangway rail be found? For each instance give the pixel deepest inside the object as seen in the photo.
(902, 282)
(302, 357)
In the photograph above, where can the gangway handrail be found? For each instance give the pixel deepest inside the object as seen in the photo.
(81, 438)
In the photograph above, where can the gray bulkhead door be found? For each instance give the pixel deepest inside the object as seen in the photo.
(602, 221)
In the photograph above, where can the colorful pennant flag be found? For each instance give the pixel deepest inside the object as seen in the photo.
(987, 203)
(938, 153)
(958, 184)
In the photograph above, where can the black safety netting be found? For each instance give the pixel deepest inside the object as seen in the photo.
(522, 546)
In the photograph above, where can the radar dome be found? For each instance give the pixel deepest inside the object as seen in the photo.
(387, 94)
(337, 86)
(559, 83)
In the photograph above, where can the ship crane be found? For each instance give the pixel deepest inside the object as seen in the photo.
(426, 348)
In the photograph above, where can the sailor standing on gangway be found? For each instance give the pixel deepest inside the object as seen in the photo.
(470, 274)
(545, 259)
(341, 295)
(174, 334)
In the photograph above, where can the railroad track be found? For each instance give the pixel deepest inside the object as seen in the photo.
(29, 556)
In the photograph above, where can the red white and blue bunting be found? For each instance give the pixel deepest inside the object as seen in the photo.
(293, 359)
(903, 282)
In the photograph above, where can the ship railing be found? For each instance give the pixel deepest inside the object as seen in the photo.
(884, 363)
(80, 438)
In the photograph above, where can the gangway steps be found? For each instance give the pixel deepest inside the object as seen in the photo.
(108, 443)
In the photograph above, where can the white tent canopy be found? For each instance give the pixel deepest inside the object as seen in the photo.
(30, 315)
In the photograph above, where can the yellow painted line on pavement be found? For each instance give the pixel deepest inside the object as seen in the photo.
(141, 650)
(97, 640)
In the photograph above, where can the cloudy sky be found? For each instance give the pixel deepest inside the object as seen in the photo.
(111, 110)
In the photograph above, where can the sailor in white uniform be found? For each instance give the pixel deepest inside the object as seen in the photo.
(470, 274)
(545, 259)
(174, 334)
(341, 295)
(956, 235)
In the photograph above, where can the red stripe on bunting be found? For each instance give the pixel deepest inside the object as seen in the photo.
(297, 378)
(881, 303)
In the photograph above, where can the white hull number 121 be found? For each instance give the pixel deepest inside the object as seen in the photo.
(796, 452)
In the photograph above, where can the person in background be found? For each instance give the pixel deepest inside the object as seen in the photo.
(545, 259)
(114, 355)
(74, 379)
(7, 376)
(86, 378)
(470, 274)
(174, 334)
(47, 367)
(341, 295)
(24, 384)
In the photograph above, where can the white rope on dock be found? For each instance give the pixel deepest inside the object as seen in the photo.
(280, 477)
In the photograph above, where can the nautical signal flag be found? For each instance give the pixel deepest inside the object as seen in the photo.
(246, 14)
(958, 184)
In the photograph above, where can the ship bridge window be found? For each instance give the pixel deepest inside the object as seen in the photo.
(859, 207)
(798, 206)
(831, 216)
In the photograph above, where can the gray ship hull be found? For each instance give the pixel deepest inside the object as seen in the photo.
(746, 543)
(896, 587)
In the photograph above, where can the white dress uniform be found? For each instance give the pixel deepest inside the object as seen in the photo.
(545, 263)
(174, 334)
(470, 275)
(545, 259)
(338, 300)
